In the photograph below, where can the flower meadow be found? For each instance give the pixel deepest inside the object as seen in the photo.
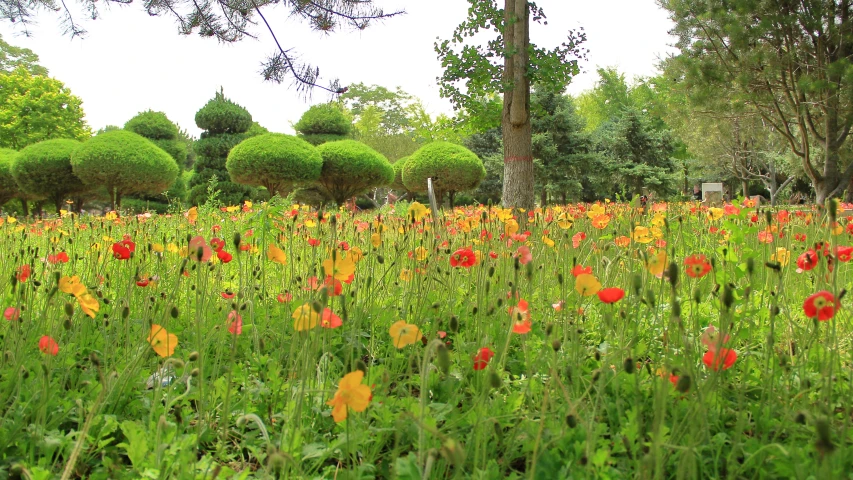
(278, 341)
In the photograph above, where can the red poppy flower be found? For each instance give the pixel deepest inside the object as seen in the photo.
(464, 257)
(697, 266)
(24, 273)
(577, 239)
(236, 327)
(724, 357)
(333, 285)
(521, 317)
(286, 297)
(611, 295)
(524, 255)
(48, 345)
(800, 237)
(228, 295)
(820, 305)
(485, 235)
(198, 244)
(60, 257)
(142, 282)
(482, 358)
(127, 242)
(329, 319)
(313, 242)
(120, 251)
(807, 261)
(11, 314)
(844, 253)
(217, 243)
(581, 270)
(343, 246)
(245, 247)
(224, 256)
(493, 255)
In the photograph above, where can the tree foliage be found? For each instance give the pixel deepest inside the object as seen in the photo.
(124, 163)
(509, 64)
(44, 170)
(159, 130)
(225, 124)
(12, 57)
(789, 61)
(351, 168)
(34, 108)
(275, 161)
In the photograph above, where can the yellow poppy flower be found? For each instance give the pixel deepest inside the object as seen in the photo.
(376, 240)
(417, 211)
(782, 255)
(586, 285)
(642, 235)
(276, 255)
(403, 333)
(341, 267)
(511, 227)
(405, 275)
(305, 318)
(89, 304)
(351, 395)
(71, 285)
(421, 253)
(163, 342)
(565, 221)
(656, 263)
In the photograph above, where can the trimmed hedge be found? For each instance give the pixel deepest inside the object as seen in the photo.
(452, 167)
(397, 184)
(326, 118)
(221, 115)
(153, 126)
(44, 170)
(351, 168)
(275, 161)
(124, 163)
(8, 187)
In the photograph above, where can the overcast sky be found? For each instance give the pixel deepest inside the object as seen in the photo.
(130, 62)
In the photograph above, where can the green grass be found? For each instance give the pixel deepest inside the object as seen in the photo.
(587, 393)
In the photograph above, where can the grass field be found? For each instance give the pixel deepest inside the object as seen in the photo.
(583, 341)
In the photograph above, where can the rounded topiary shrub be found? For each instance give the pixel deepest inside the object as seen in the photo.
(397, 184)
(275, 161)
(351, 168)
(322, 123)
(221, 115)
(124, 163)
(8, 187)
(44, 170)
(153, 126)
(452, 167)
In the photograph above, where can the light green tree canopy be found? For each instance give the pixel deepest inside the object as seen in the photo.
(275, 161)
(12, 57)
(351, 168)
(35, 108)
(44, 170)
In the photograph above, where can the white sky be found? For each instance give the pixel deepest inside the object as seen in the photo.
(130, 62)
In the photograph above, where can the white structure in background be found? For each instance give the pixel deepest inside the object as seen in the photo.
(712, 193)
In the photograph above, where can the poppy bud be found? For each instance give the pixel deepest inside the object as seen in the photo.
(683, 384)
(516, 264)
(443, 356)
(195, 372)
(454, 324)
(800, 418)
(571, 420)
(380, 259)
(697, 296)
(360, 365)
(560, 278)
(629, 366)
(672, 274)
(125, 312)
(491, 271)
(637, 284)
(316, 306)
(750, 266)
(500, 302)
(676, 309)
(66, 324)
(474, 311)
(69, 309)
(556, 345)
(495, 380)
(728, 296)
(436, 305)
(596, 375)
(650, 298)
(193, 356)
(549, 329)
(824, 440)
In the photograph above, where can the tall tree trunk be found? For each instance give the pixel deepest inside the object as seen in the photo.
(848, 197)
(25, 207)
(452, 195)
(745, 186)
(515, 120)
(543, 198)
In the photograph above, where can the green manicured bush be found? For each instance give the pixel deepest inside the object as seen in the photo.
(44, 170)
(275, 161)
(397, 184)
(8, 187)
(351, 168)
(124, 163)
(221, 115)
(153, 126)
(322, 123)
(453, 168)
